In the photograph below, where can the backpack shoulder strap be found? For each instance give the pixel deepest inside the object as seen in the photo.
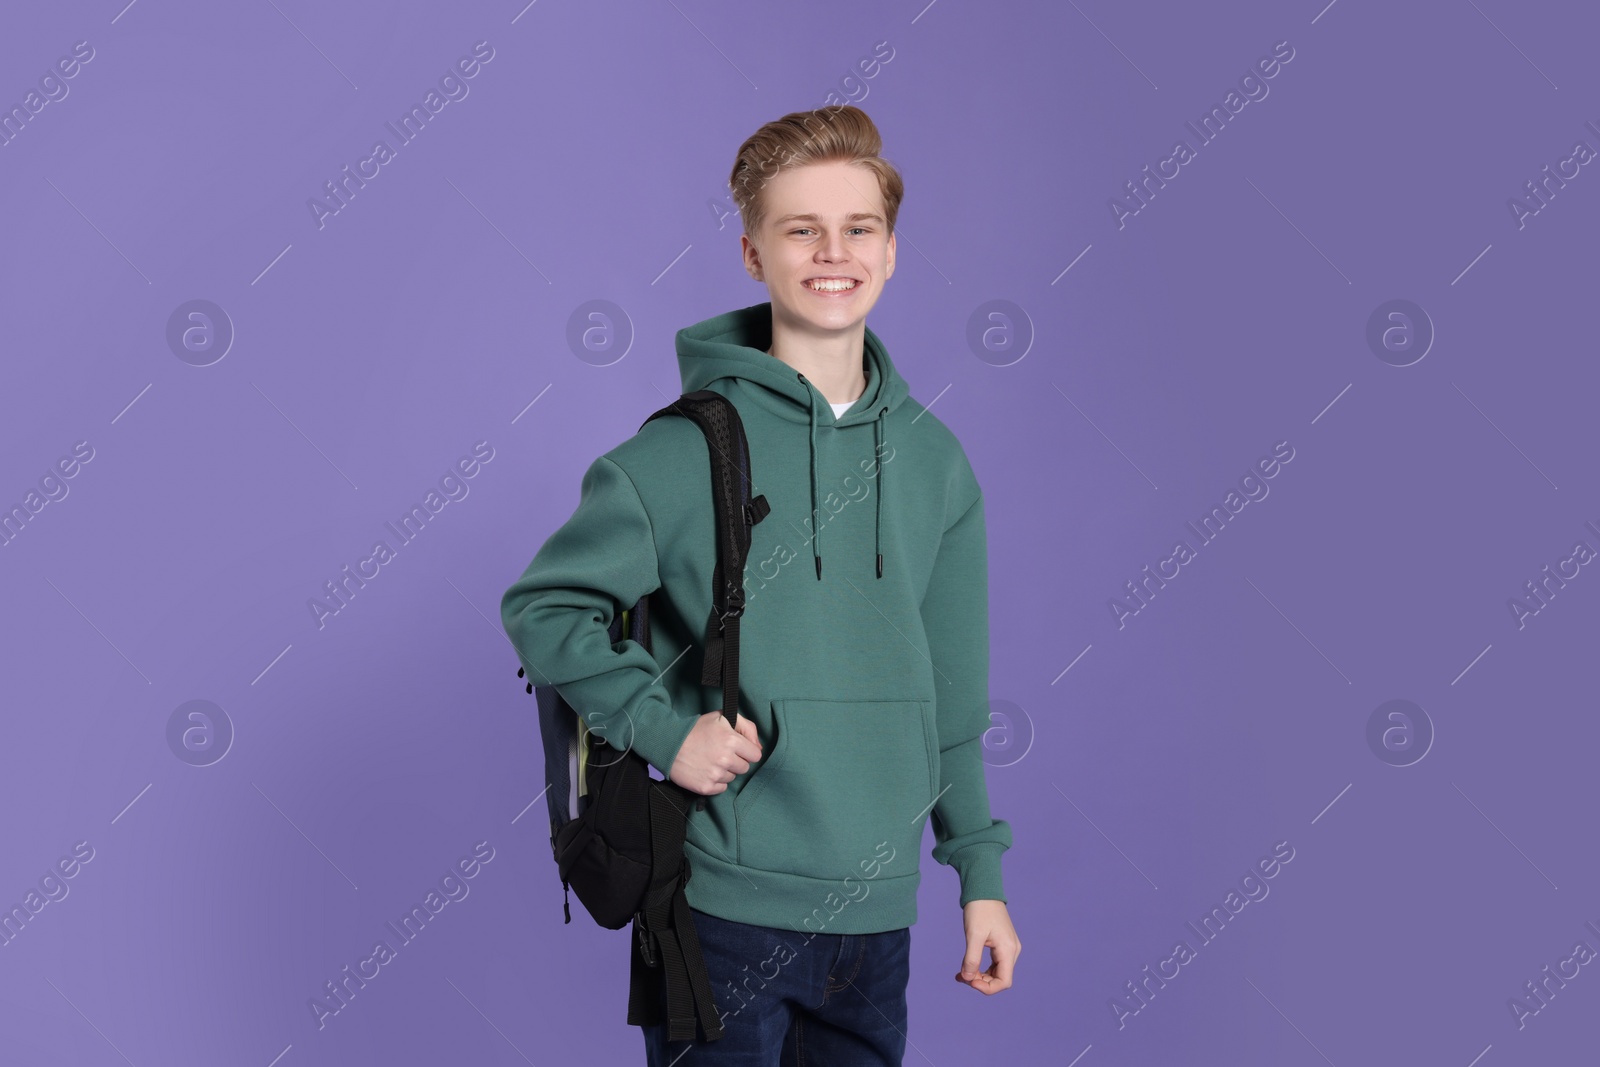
(736, 512)
(667, 956)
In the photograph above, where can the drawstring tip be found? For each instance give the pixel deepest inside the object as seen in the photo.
(880, 564)
(819, 568)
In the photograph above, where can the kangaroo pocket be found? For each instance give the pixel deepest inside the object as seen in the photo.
(842, 778)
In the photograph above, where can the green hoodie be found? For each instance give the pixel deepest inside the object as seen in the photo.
(867, 679)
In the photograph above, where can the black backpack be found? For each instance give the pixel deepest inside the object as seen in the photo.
(616, 832)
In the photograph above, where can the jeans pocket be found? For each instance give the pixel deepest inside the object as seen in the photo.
(844, 779)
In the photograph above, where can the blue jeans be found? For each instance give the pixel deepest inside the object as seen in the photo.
(790, 999)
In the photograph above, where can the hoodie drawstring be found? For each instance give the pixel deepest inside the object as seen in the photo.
(816, 507)
(877, 520)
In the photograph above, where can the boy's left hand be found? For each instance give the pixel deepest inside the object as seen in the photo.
(987, 922)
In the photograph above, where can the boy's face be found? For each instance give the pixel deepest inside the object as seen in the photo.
(842, 234)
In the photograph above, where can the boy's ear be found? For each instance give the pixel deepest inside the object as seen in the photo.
(751, 256)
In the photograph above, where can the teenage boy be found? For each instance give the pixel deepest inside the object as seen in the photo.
(863, 670)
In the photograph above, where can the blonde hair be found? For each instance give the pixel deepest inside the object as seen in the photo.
(841, 133)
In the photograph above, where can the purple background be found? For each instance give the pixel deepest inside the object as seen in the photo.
(587, 163)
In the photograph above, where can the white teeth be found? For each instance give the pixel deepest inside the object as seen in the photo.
(830, 286)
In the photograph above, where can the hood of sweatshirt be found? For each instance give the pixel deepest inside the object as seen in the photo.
(734, 345)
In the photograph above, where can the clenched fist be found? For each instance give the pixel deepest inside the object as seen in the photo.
(714, 753)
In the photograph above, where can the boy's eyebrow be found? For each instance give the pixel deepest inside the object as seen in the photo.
(854, 216)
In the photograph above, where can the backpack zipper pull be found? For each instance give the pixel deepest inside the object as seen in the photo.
(566, 903)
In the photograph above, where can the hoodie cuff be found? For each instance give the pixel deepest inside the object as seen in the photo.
(978, 866)
(658, 736)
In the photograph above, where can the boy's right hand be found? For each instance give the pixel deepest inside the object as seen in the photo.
(714, 754)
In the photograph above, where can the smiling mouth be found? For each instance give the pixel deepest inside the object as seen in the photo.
(832, 285)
